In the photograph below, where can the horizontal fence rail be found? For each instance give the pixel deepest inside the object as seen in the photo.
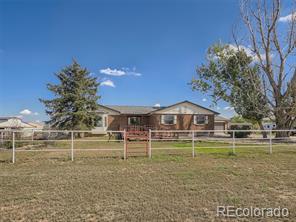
(61, 141)
(73, 143)
(231, 140)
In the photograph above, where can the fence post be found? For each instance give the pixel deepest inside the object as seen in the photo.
(32, 138)
(2, 138)
(233, 141)
(72, 146)
(124, 144)
(193, 144)
(13, 147)
(149, 148)
(270, 142)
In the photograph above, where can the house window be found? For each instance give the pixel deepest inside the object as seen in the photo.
(134, 120)
(102, 121)
(168, 119)
(201, 119)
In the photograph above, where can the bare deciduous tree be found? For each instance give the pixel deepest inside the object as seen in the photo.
(258, 74)
(274, 48)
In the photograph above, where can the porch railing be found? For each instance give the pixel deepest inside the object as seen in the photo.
(137, 128)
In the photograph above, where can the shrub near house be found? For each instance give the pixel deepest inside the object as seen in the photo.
(238, 127)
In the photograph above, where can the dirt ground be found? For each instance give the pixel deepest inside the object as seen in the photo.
(44, 187)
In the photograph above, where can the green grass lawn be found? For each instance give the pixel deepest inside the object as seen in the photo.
(47, 186)
(83, 147)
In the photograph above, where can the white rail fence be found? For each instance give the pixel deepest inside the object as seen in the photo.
(229, 140)
(75, 142)
(69, 142)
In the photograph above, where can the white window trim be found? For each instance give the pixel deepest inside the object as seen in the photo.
(162, 120)
(106, 121)
(200, 124)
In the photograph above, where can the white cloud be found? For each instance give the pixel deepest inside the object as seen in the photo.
(108, 82)
(132, 72)
(204, 99)
(157, 105)
(247, 50)
(26, 112)
(218, 108)
(113, 72)
(228, 108)
(288, 18)
(120, 72)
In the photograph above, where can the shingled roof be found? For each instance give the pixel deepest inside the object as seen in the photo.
(140, 110)
(221, 119)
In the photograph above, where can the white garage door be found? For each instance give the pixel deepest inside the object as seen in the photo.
(219, 126)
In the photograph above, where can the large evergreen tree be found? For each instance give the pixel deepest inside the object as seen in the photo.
(75, 102)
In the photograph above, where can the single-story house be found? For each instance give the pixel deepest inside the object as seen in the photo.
(37, 125)
(221, 123)
(14, 123)
(180, 116)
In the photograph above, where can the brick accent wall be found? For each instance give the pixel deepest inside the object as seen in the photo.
(184, 122)
(117, 122)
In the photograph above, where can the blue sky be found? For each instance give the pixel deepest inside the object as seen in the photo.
(154, 46)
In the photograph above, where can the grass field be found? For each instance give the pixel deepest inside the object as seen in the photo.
(48, 187)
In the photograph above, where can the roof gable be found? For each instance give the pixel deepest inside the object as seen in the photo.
(108, 110)
(15, 123)
(185, 107)
(221, 119)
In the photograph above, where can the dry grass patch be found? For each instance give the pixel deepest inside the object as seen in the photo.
(166, 188)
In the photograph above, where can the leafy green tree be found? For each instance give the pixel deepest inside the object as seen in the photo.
(75, 99)
(272, 51)
(231, 75)
(239, 119)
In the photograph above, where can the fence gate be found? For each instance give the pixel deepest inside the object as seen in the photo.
(137, 143)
